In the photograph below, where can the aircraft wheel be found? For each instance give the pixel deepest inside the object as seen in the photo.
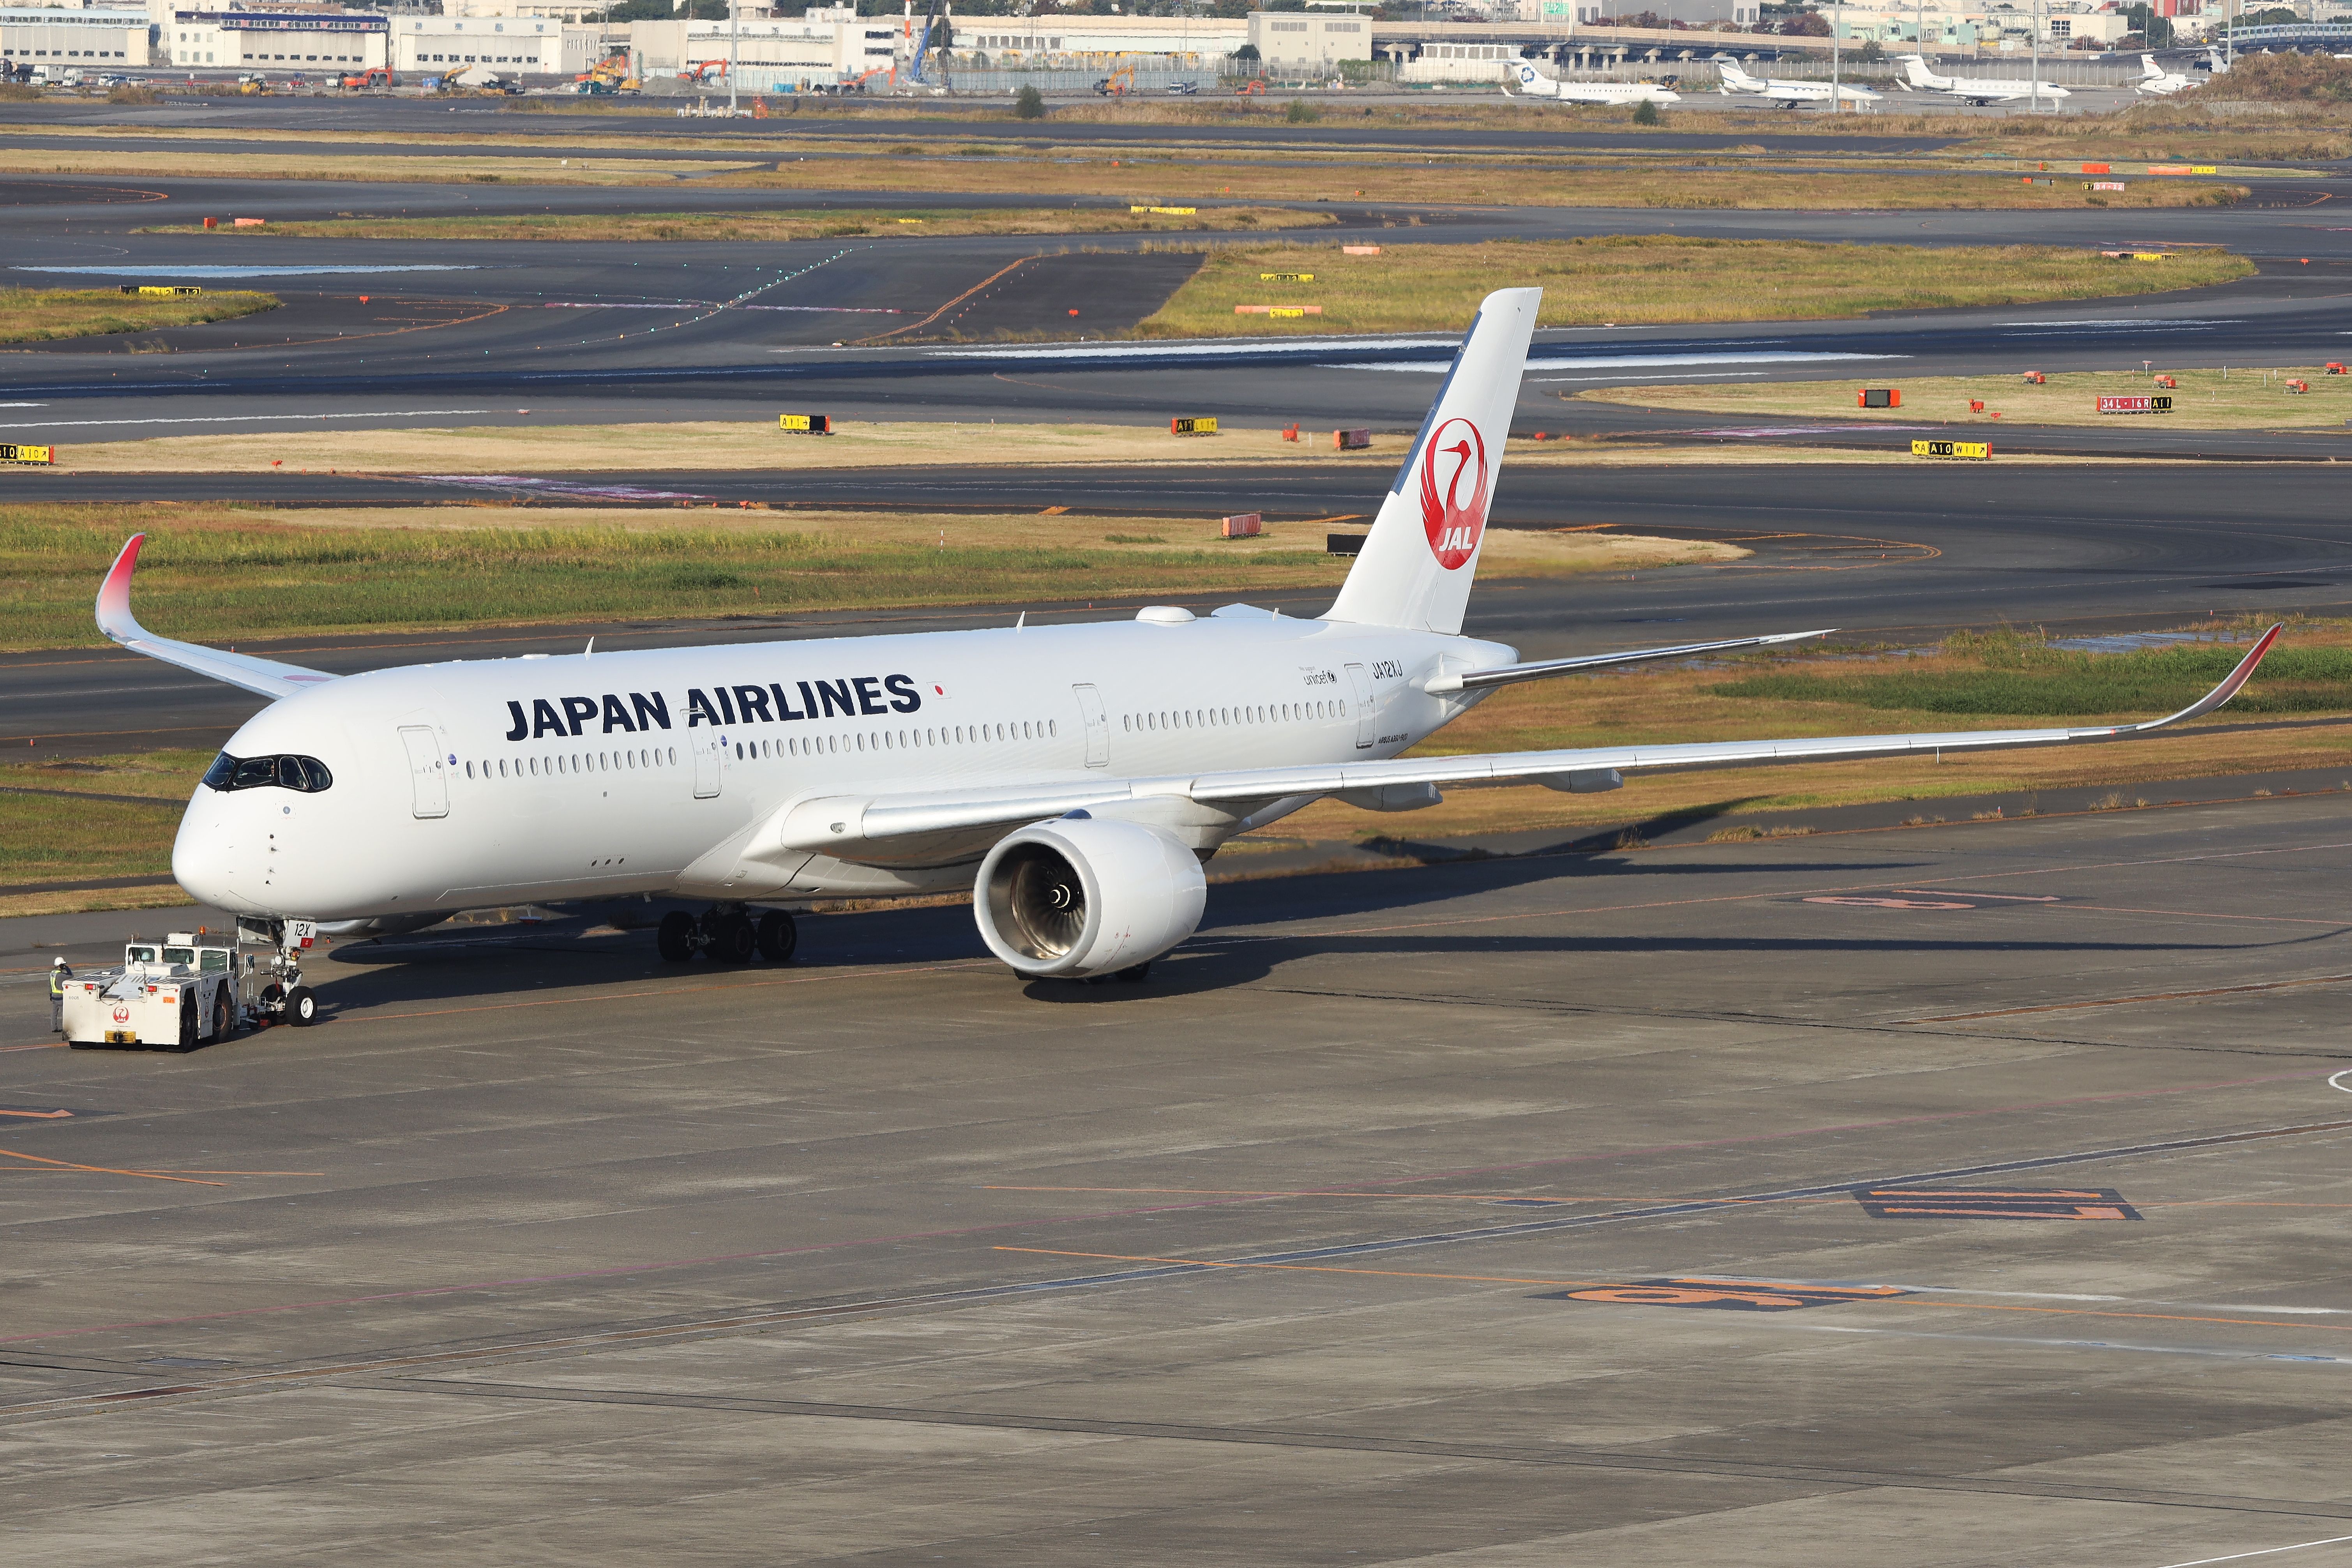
(780, 936)
(301, 1007)
(733, 939)
(1134, 973)
(676, 937)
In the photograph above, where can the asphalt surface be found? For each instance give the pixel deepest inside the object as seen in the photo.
(1958, 1194)
(1901, 556)
(379, 332)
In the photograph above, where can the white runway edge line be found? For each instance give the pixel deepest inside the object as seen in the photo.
(100, 268)
(2266, 1552)
(244, 419)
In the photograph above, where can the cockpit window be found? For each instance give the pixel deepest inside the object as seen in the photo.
(308, 775)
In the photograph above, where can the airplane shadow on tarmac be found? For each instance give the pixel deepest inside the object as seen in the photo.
(459, 964)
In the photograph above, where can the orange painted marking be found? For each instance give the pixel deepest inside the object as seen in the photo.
(107, 1170)
(37, 1115)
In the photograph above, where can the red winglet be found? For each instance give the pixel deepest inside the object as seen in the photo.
(115, 616)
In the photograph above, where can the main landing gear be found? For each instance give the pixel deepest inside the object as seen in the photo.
(727, 935)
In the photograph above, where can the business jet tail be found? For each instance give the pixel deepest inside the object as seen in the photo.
(1421, 554)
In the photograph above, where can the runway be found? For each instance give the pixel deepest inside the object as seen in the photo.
(1968, 1184)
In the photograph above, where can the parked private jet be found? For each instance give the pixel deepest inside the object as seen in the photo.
(1074, 777)
(1738, 83)
(2154, 80)
(1521, 80)
(1978, 90)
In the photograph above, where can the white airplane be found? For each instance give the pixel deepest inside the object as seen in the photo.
(1978, 90)
(1533, 83)
(2154, 78)
(1738, 83)
(1074, 777)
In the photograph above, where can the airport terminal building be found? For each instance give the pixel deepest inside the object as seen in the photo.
(90, 39)
(286, 40)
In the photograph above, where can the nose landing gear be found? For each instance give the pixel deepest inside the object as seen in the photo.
(727, 935)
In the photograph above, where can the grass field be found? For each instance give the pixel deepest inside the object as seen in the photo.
(1627, 279)
(1990, 680)
(1310, 176)
(2238, 399)
(776, 228)
(45, 315)
(219, 574)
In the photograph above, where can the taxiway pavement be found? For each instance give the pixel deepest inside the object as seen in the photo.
(1970, 1188)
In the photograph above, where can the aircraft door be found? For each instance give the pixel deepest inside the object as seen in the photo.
(1090, 704)
(428, 783)
(1367, 722)
(706, 768)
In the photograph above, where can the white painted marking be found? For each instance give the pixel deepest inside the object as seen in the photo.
(246, 418)
(239, 271)
(2338, 1082)
(2266, 1552)
(1684, 376)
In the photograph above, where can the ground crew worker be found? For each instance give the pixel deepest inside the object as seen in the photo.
(59, 972)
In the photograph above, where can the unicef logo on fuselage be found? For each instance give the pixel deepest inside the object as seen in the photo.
(1453, 491)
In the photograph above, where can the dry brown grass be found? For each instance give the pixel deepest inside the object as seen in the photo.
(775, 227)
(227, 573)
(2215, 399)
(718, 447)
(1312, 176)
(1644, 279)
(46, 315)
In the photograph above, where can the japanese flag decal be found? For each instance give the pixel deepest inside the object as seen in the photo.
(1453, 491)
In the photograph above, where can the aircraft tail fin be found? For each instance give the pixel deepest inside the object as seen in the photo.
(1915, 67)
(1421, 554)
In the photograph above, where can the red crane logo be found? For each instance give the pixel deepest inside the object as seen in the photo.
(1453, 522)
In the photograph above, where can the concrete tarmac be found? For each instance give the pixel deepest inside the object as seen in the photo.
(1959, 1195)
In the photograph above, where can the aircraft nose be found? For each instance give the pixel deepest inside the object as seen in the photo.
(204, 859)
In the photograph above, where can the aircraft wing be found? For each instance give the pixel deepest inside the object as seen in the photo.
(905, 816)
(267, 677)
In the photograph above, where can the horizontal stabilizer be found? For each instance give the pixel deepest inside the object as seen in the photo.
(264, 675)
(1544, 670)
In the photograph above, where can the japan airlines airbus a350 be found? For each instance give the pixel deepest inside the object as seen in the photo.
(1075, 777)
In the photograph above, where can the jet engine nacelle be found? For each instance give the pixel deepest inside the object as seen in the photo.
(1083, 896)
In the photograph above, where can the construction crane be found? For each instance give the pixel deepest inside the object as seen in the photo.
(936, 33)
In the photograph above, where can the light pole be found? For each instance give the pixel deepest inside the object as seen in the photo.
(1837, 24)
(734, 39)
(2037, 58)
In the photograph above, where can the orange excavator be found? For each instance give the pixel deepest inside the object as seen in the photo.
(699, 72)
(374, 75)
